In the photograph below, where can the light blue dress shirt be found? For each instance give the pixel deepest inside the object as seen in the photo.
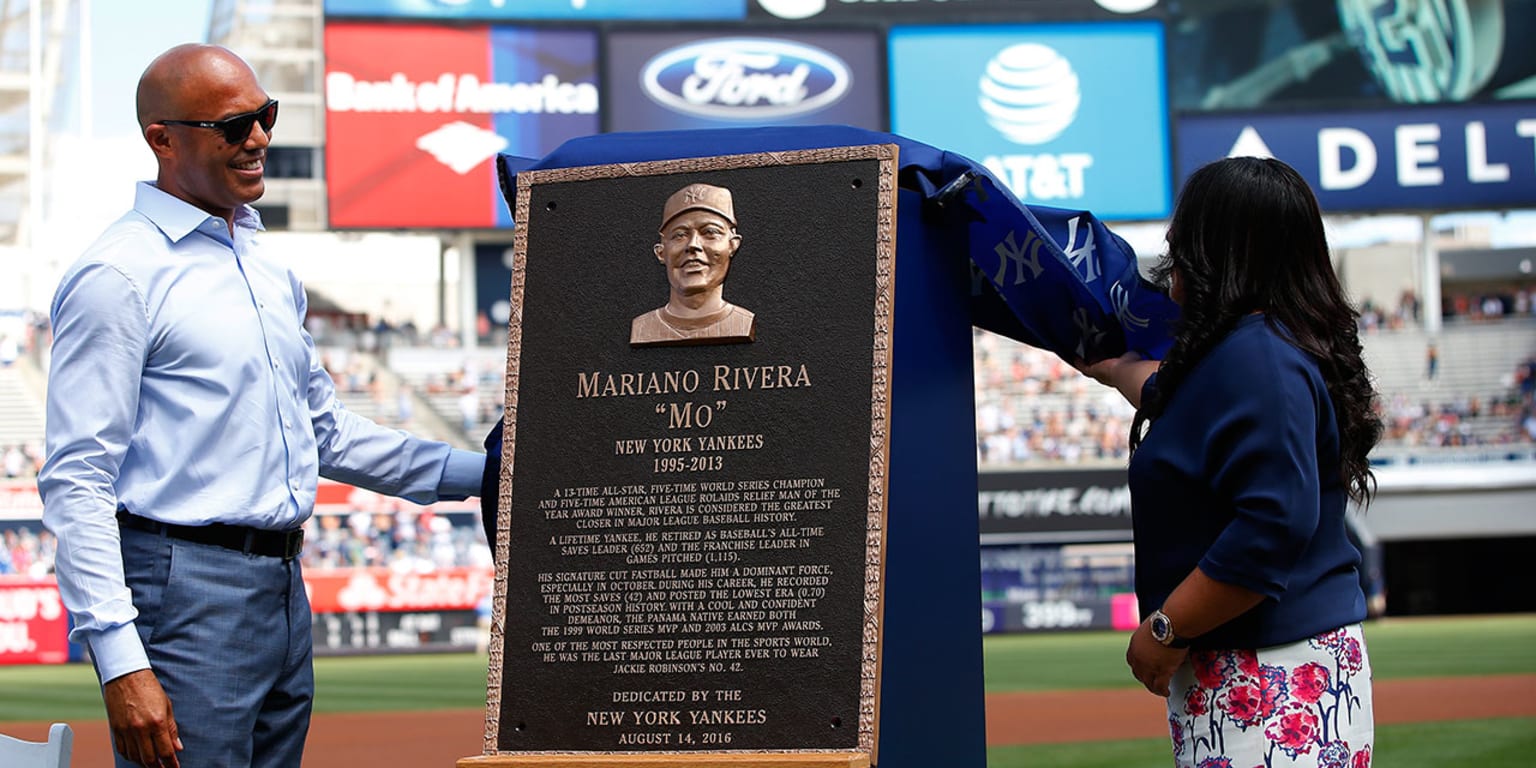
(184, 387)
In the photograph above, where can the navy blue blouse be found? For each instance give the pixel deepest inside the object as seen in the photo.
(1241, 476)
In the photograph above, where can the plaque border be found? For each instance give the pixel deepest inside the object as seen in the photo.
(879, 437)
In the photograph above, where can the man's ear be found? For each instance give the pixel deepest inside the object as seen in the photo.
(158, 137)
(657, 249)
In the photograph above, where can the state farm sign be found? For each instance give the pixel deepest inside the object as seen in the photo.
(33, 627)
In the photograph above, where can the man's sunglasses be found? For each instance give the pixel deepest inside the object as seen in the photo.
(236, 129)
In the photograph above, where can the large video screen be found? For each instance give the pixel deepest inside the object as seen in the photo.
(1345, 54)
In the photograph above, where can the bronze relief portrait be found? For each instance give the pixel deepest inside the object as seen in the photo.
(696, 242)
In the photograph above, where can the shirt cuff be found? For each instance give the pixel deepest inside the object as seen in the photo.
(118, 651)
(462, 473)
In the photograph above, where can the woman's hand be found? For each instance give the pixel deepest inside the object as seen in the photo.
(1151, 662)
(1126, 373)
(1104, 370)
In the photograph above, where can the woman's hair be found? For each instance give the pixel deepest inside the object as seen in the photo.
(1247, 236)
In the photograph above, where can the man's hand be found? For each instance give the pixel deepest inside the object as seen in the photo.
(1151, 662)
(139, 714)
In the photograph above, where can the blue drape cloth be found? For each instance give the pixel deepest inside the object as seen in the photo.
(1052, 278)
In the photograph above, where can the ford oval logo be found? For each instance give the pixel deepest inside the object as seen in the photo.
(745, 78)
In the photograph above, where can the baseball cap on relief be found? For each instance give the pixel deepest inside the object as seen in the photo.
(705, 197)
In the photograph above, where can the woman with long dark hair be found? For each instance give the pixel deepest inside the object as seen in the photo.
(1250, 439)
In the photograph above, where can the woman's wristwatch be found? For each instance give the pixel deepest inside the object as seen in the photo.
(1162, 631)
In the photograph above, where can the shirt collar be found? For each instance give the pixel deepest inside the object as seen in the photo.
(178, 218)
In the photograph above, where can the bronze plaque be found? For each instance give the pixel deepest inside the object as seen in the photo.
(692, 510)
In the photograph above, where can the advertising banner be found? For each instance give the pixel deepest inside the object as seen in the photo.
(19, 500)
(355, 610)
(33, 625)
(1052, 615)
(1055, 586)
(946, 11)
(380, 589)
(1067, 115)
(397, 632)
(518, 10)
(724, 79)
(414, 114)
(1076, 504)
(1410, 158)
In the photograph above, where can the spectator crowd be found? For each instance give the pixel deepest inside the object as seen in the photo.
(27, 550)
(21, 461)
(1031, 408)
(1455, 306)
(403, 538)
(1463, 421)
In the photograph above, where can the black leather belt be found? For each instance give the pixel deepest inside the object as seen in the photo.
(254, 541)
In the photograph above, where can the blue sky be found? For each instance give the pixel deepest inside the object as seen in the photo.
(124, 39)
(93, 169)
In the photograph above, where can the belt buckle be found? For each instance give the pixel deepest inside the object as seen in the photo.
(293, 543)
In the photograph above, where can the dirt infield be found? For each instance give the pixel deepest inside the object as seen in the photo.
(439, 738)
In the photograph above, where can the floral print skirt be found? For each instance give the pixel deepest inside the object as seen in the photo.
(1306, 703)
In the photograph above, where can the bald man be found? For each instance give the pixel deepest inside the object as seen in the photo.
(188, 421)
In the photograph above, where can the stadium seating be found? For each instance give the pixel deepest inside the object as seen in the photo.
(1032, 408)
(449, 379)
(1470, 409)
(21, 410)
(1476, 359)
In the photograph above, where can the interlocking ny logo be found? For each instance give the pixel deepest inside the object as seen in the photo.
(1081, 256)
(1026, 254)
(1011, 252)
(1121, 299)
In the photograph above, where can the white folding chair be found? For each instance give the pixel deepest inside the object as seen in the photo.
(53, 753)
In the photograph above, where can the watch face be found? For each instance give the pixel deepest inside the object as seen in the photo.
(1160, 628)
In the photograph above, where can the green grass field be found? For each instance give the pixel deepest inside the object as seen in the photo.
(1502, 743)
(1416, 647)
(1400, 648)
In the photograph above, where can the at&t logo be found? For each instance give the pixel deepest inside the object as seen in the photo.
(793, 9)
(745, 78)
(805, 9)
(1030, 94)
